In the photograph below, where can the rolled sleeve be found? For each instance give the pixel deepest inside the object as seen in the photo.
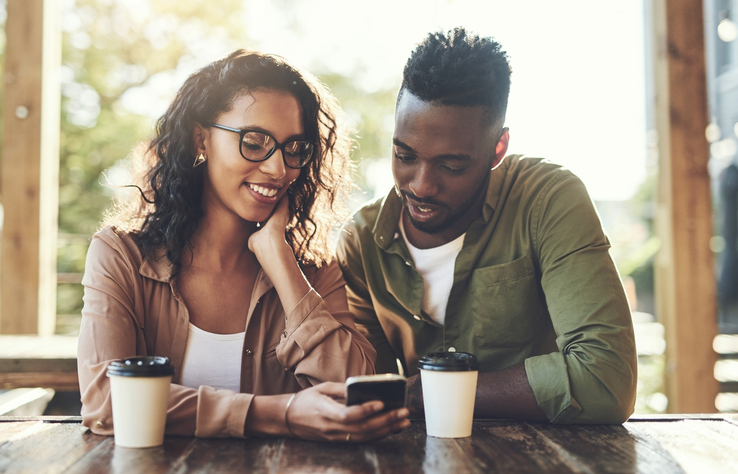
(305, 328)
(547, 376)
(221, 413)
(320, 342)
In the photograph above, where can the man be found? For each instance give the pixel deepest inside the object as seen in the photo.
(501, 257)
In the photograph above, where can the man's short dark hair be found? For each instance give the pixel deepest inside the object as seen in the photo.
(461, 69)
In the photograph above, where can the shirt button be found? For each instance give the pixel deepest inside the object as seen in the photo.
(247, 352)
(284, 334)
(416, 317)
(452, 349)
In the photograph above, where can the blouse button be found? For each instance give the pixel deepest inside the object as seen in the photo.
(416, 317)
(248, 352)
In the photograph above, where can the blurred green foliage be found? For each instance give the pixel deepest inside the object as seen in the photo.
(111, 48)
(117, 53)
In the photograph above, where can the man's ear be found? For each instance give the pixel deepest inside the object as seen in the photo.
(501, 147)
(200, 135)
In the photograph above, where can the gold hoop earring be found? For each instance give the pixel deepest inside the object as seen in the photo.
(200, 159)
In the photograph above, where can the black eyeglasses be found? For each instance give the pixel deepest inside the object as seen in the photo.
(259, 146)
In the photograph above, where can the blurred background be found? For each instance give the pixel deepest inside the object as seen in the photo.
(582, 96)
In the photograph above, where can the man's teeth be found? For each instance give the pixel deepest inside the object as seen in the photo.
(268, 192)
(424, 209)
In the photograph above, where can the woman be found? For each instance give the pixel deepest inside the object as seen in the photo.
(222, 265)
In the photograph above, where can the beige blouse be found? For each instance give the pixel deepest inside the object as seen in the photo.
(131, 308)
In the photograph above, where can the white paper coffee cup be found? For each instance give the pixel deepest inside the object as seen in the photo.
(139, 389)
(449, 381)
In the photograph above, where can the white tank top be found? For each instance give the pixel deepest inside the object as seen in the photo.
(213, 359)
(436, 266)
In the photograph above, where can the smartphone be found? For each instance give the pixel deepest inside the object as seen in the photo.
(389, 388)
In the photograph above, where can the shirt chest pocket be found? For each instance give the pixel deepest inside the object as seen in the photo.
(506, 304)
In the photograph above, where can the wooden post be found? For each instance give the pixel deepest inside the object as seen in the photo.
(685, 269)
(29, 177)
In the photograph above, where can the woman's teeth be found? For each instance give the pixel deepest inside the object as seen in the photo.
(268, 192)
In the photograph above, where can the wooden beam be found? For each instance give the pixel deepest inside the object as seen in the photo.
(685, 270)
(29, 177)
(32, 361)
(55, 374)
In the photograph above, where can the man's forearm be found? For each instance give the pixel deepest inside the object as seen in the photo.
(502, 394)
(507, 394)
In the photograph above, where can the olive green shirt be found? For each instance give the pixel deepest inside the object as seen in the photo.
(534, 283)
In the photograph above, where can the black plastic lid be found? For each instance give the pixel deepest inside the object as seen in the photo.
(143, 366)
(449, 361)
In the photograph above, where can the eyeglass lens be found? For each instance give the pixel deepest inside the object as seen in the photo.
(255, 146)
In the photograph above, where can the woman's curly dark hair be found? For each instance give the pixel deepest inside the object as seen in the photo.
(168, 209)
(462, 69)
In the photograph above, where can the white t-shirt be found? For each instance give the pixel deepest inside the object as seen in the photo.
(213, 359)
(436, 266)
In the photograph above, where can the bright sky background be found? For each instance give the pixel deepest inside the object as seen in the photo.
(578, 79)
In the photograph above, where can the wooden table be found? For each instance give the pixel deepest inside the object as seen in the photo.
(659, 444)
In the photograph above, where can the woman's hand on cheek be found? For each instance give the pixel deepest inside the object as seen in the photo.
(270, 237)
(277, 259)
(318, 413)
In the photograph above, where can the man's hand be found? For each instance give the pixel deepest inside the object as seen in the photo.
(415, 397)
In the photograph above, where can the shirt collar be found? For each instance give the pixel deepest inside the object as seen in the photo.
(494, 188)
(386, 228)
(157, 266)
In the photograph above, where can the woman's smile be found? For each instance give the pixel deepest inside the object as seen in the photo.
(264, 193)
(268, 192)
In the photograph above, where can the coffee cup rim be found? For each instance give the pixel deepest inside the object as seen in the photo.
(449, 361)
(141, 366)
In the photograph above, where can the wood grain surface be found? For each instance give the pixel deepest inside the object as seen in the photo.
(668, 444)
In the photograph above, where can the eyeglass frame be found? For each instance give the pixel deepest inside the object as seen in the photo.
(277, 145)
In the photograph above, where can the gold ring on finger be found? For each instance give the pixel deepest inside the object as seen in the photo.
(348, 437)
